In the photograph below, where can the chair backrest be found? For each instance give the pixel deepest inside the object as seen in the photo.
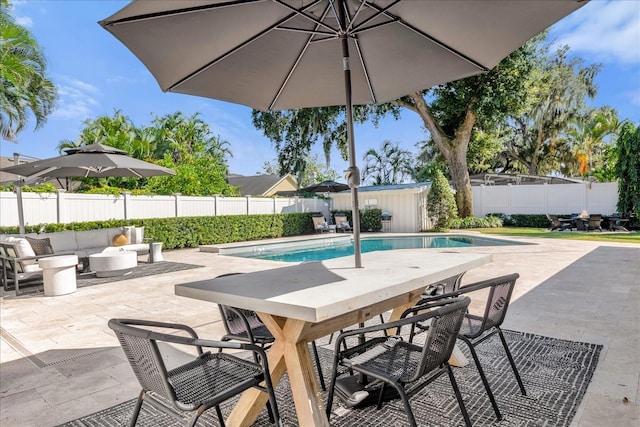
(144, 357)
(319, 222)
(340, 218)
(497, 303)
(8, 250)
(441, 336)
(595, 220)
(238, 321)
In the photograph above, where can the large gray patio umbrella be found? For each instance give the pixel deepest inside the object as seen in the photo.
(284, 54)
(89, 161)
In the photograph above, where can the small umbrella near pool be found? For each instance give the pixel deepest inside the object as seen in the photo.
(89, 161)
(325, 187)
(283, 54)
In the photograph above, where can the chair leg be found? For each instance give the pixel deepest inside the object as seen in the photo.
(512, 362)
(332, 385)
(316, 356)
(405, 402)
(219, 413)
(136, 410)
(456, 390)
(483, 377)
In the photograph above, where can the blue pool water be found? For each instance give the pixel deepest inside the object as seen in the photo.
(322, 249)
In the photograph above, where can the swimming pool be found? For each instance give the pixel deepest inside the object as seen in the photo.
(322, 249)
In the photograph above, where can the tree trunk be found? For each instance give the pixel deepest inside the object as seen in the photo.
(454, 150)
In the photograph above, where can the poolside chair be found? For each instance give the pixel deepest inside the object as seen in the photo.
(557, 224)
(342, 224)
(320, 224)
(477, 328)
(17, 268)
(594, 222)
(404, 366)
(206, 381)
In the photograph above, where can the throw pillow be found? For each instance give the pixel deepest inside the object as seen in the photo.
(119, 240)
(40, 246)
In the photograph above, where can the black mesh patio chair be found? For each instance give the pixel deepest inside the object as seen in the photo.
(477, 328)
(245, 325)
(205, 382)
(394, 362)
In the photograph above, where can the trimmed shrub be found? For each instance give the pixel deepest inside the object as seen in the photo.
(473, 222)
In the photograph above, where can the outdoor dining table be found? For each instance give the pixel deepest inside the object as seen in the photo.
(307, 301)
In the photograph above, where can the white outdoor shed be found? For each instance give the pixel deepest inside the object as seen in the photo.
(407, 204)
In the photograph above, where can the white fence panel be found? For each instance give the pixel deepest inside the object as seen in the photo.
(261, 206)
(151, 207)
(232, 206)
(602, 197)
(545, 198)
(196, 206)
(80, 207)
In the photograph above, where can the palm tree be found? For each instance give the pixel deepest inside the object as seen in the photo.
(24, 88)
(389, 166)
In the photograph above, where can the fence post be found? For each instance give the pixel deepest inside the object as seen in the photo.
(60, 208)
(545, 187)
(126, 199)
(215, 205)
(274, 204)
(509, 189)
(176, 197)
(248, 203)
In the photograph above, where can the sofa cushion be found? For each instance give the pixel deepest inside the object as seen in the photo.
(40, 246)
(22, 245)
(62, 241)
(95, 238)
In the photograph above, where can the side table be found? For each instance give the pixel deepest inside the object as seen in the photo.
(59, 274)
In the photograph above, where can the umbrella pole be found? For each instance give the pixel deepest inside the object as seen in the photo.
(353, 174)
(20, 208)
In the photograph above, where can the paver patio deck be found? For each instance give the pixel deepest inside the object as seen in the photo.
(59, 361)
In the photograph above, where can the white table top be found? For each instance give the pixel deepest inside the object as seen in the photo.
(317, 291)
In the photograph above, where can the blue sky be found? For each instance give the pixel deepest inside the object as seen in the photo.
(97, 75)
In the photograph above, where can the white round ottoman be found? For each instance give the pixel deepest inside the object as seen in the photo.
(109, 264)
(59, 274)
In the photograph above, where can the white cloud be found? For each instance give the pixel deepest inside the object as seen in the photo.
(24, 21)
(74, 100)
(609, 30)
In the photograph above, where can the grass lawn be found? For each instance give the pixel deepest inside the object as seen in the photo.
(572, 235)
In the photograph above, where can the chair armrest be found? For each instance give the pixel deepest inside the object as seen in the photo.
(473, 287)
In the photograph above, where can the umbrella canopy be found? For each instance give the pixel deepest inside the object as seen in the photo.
(89, 161)
(325, 187)
(282, 54)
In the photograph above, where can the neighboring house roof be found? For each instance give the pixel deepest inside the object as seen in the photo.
(262, 185)
(518, 179)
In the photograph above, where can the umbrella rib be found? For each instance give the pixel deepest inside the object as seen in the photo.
(365, 71)
(300, 12)
(241, 45)
(354, 29)
(173, 12)
(430, 38)
(295, 64)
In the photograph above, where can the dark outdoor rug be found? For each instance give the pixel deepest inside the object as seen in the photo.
(90, 279)
(555, 372)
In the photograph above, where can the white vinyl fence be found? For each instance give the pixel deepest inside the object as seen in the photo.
(62, 207)
(596, 198)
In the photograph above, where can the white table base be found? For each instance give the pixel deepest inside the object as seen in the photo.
(59, 274)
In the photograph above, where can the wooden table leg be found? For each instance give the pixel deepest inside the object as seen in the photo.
(289, 353)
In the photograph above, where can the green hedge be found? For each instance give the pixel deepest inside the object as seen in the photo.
(191, 232)
(473, 222)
